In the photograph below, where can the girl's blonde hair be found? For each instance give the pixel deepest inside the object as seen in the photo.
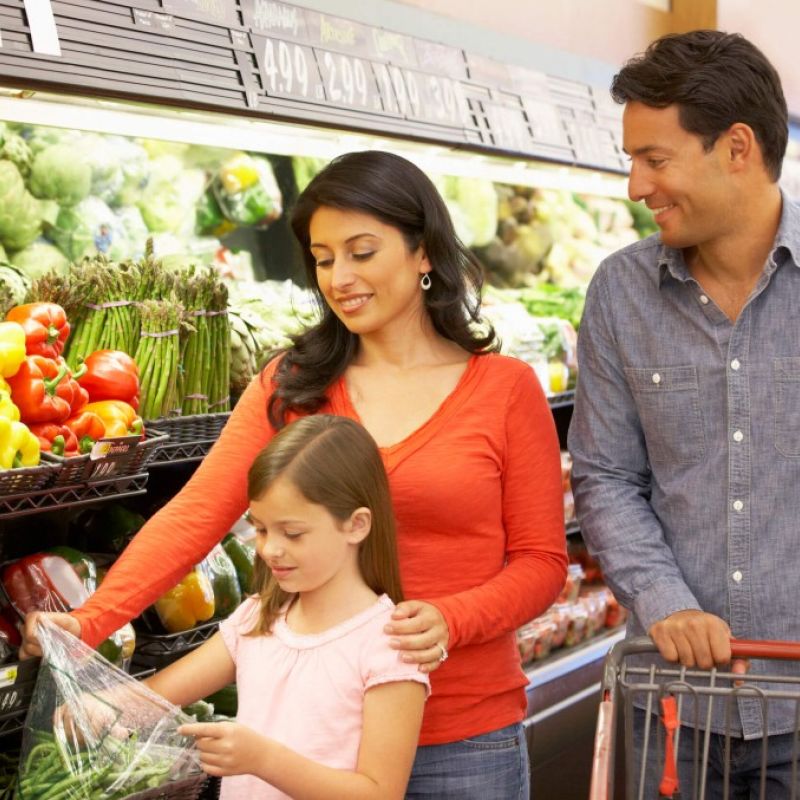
(333, 462)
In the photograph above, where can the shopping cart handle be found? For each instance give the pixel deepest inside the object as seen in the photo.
(740, 648)
(756, 648)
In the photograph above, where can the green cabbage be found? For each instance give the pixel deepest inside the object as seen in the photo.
(59, 173)
(20, 211)
(16, 150)
(88, 228)
(473, 207)
(39, 258)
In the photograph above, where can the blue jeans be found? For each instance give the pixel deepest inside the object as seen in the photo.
(745, 764)
(493, 766)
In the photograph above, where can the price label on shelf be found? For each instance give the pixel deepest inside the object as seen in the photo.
(425, 97)
(545, 122)
(349, 81)
(288, 69)
(220, 12)
(509, 129)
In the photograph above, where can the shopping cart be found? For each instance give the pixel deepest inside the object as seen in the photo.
(671, 696)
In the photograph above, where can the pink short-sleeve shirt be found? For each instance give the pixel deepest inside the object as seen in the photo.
(307, 691)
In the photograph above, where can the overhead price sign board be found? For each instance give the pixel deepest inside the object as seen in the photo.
(275, 58)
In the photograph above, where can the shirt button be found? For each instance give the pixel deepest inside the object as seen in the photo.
(656, 378)
(703, 299)
(735, 364)
(737, 576)
(738, 436)
(738, 505)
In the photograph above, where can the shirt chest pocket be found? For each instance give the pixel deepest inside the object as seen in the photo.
(668, 402)
(787, 405)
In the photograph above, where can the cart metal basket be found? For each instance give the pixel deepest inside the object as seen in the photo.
(678, 702)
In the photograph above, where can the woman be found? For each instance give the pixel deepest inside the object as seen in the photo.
(468, 442)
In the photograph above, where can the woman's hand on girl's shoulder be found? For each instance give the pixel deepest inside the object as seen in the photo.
(420, 631)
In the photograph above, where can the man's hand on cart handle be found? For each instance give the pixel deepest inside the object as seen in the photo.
(694, 638)
(30, 643)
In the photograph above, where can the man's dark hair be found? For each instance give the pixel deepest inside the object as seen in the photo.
(716, 79)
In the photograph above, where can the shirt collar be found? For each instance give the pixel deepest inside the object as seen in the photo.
(671, 262)
(789, 229)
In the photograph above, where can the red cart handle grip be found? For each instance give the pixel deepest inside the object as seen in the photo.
(753, 648)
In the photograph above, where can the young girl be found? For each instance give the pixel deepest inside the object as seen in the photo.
(326, 708)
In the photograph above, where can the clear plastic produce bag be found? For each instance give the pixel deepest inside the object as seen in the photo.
(94, 731)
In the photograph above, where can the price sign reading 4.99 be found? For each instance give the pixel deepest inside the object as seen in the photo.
(349, 81)
(288, 69)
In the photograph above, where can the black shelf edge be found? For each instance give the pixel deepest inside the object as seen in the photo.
(562, 400)
(58, 497)
(572, 528)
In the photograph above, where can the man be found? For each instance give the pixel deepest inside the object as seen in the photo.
(686, 431)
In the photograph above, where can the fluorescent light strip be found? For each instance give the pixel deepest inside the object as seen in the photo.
(284, 138)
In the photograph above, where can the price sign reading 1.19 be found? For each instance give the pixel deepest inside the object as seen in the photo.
(349, 81)
(288, 69)
(428, 98)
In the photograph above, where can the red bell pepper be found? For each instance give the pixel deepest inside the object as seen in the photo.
(43, 582)
(87, 427)
(42, 391)
(55, 438)
(46, 328)
(80, 397)
(111, 375)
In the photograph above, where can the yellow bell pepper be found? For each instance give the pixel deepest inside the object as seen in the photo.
(18, 446)
(12, 348)
(7, 407)
(187, 604)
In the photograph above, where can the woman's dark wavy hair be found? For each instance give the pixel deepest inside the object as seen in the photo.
(398, 193)
(716, 79)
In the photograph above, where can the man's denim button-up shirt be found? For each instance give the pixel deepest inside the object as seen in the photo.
(686, 446)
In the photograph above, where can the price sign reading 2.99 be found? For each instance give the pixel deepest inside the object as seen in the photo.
(288, 69)
(349, 81)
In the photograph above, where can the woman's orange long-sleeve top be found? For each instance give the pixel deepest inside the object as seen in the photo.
(479, 506)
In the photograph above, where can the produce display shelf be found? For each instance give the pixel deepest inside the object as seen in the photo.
(566, 660)
(58, 497)
(190, 437)
(28, 479)
(562, 400)
(18, 679)
(81, 469)
(157, 650)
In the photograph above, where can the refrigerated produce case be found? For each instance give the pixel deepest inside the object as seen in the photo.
(274, 79)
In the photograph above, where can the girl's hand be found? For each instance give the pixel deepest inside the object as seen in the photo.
(420, 631)
(31, 647)
(227, 748)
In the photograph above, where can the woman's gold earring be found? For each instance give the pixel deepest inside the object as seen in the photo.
(425, 282)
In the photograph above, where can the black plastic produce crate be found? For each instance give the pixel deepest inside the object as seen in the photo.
(17, 679)
(184, 789)
(28, 479)
(211, 789)
(190, 437)
(128, 456)
(158, 650)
